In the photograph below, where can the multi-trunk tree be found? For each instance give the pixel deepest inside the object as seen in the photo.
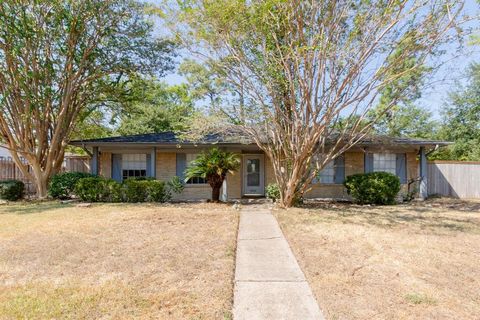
(58, 60)
(303, 66)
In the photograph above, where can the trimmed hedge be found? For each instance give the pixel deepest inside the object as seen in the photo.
(98, 189)
(62, 185)
(373, 187)
(12, 190)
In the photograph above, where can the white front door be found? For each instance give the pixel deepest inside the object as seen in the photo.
(253, 175)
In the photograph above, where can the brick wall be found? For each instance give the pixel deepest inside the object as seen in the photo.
(269, 174)
(166, 165)
(166, 169)
(106, 164)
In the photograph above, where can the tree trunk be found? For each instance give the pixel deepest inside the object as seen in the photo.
(216, 194)
(41, 179)
(41, 186)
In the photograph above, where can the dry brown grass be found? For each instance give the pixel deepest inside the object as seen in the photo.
(116, 261)
(418, 261)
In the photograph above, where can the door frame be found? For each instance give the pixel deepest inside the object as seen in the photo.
(262, 174)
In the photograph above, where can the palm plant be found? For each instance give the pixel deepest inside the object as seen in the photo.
(213, 165)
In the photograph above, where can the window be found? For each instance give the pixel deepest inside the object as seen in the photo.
(134, 165)
(333, 172)
(327, 175)
(195, 180)
(385, 162)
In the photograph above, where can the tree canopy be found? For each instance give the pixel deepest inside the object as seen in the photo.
(161, 108)
(58, 59)
(461, 120)
(302, 66)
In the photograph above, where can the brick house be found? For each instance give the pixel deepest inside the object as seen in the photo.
(164, 155)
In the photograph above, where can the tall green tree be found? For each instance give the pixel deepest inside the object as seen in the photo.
(57, 59)
(461, 120)
(405, 120)
(203, 82)
(159, 108)
(396, 113)
(304, 65)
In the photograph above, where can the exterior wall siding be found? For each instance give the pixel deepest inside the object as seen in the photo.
(166, 169)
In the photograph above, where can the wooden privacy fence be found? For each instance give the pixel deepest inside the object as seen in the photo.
(9, 170)
(454, 179)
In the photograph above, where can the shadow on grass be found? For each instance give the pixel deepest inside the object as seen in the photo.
(388, 217)
(32, 207)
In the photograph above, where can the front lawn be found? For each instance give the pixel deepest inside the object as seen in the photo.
(116, 261)
(418, 261)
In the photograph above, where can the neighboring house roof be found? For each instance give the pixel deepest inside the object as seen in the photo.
(171, 138)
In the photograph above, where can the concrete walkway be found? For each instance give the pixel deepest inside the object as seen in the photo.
(269, 284)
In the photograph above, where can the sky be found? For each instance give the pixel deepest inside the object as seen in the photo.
(435, 95)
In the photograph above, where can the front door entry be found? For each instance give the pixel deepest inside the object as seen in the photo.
(253, 175)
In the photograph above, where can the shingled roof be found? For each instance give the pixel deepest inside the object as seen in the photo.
(161, 138)
(171, 138)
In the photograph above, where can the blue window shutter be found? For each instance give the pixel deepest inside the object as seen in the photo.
(401, 167)
(181, 165)
(149, 165)
(368, 166)
(117, 167)
(339, 167)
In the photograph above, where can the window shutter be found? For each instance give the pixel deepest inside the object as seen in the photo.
(181, 165)
(339, 166)
(368, 166)
(149, 165)
(117, 167)
(401, 167)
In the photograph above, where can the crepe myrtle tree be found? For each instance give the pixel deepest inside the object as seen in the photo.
(213, 165)
(303, 66)
(60, 59)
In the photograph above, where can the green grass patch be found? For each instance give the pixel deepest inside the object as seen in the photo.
(420, 298)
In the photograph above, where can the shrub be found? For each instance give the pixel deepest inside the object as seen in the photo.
(135, 190)
(95, 189)
(175, 185)
(272, 191)
(157, 191)
(112, 191)
(12, 190)
(91, 189)
(62, 185)
(373, 188)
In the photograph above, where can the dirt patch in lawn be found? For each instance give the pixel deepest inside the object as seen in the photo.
(416, 261)
(117, 261)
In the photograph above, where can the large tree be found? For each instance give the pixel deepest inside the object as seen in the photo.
(158, 107)
(58, 59)
(396, 113)
(404, 120)
(303, 65)
(461, 120)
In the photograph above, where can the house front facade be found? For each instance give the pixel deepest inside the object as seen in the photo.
(164, 155)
